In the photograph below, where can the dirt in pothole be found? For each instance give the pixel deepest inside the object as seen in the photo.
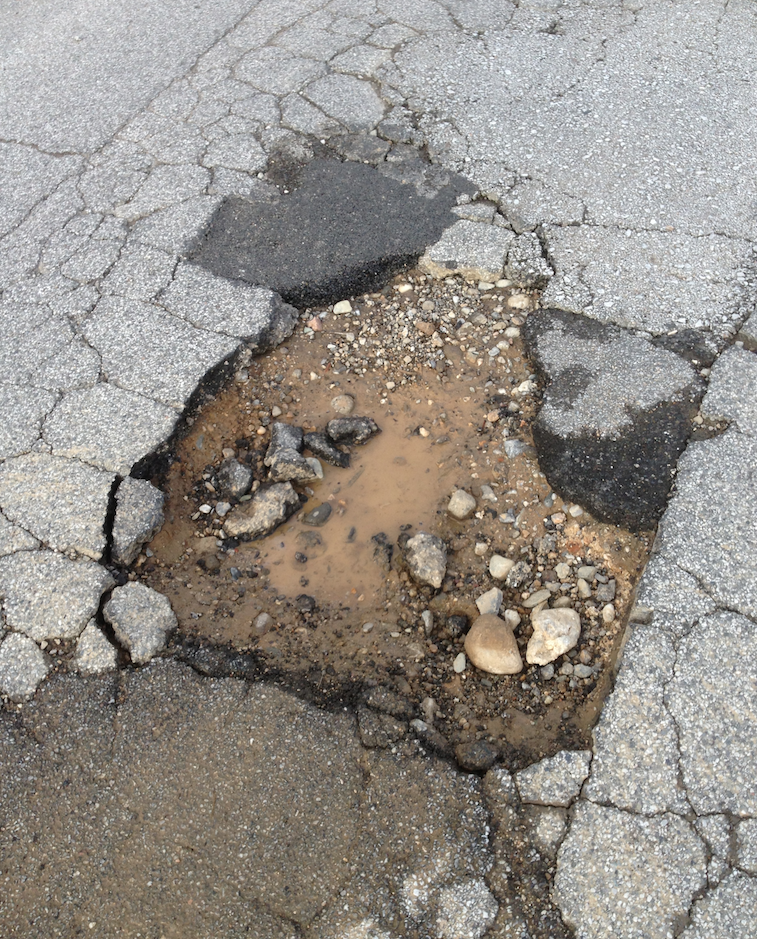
(440, 367)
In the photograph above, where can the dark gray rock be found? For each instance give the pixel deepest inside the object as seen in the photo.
(234, 479)
(345, 231)
(477, 756)
(352, 429)
(317, 516)
(320, 446)
(283, 437)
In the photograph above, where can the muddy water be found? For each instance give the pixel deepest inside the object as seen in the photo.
(342, 614)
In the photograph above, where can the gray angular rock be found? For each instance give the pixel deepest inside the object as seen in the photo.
(556, 780)
(23, 666)
(139, 517)
(426, 558)
(94, 653)
(142, 620)
(234, 479)
(322, 447)
(48, 596)
(287, 464)
(490, 602)
(283, 437)
(352, 429)
(268, 508)
(555, 633)
(61, 502)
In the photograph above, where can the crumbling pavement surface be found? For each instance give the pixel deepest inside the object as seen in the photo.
(613, 147)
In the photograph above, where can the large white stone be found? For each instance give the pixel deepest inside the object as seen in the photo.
(555, 633)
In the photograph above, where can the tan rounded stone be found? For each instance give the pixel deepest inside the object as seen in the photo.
(491, 646)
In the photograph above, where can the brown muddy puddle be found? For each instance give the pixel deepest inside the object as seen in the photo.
(439, 365)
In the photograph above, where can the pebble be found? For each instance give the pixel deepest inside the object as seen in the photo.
(276, 411)
(608, 613)
(490, 602)
(234, 478)
(352, 429)
(461, 504)
(583, 671)
(459, 664)
(518, 575)
(267, 510)
(367, 627)
(222, 508)
(584, 589)
(555, 633)
(519, 301)
(343, 404)
(317, 516)
(262, 623)
(512, 618)
(500, 567)
(563, 571)
(536, 598)
(491, 646)
(426, 558)
(514, 448)
(206, 509)
(547, 672)
(428, 621)
(481, 548)
(315, 465)
(586, 573)
(344, 306)
(575, 511)
(606, 592)
(488, 494)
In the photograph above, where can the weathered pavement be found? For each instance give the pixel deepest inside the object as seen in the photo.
(623, 135)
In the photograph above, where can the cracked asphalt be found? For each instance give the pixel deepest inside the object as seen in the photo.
(621, 134)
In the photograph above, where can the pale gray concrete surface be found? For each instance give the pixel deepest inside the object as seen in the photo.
(622, 133)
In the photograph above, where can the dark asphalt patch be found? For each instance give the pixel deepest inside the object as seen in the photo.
(621, 476)
(347, 230)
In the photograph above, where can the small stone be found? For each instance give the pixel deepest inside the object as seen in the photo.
(500, 567)
(476, 756)
(94, 654)
(518, 575)
(555, 633)
(205, 508)
(234, 479)
(540, 596)
(461, 504)
(367, 627)
(566, 668)
(344, 306)
(268, 508)
(276, 411)
(352, 429)
(283, 437)
(606, 592)
(563, 571)
(587, 573)
(583, 671)
(514, 448)
(423, 432)
(263, 623)
(222, 509)
(584, 589)
(547, 672)
(288, 465)
(512, 618)
(491, 646)
(428, 622)
(426, 558)
(481, 548)
(343, 404)
(139, 517)
(488, 494)
(322, 447)
(142, 620)
(519, 301)
(317, 516)
(608, 614)
(459, 664)
(315, 465)
(23, 666)
(575, 511)
(490, 602)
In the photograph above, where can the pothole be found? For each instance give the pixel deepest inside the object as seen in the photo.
(331, 608)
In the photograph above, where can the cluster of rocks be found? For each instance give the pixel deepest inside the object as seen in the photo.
(426, 323)
(272, 504)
